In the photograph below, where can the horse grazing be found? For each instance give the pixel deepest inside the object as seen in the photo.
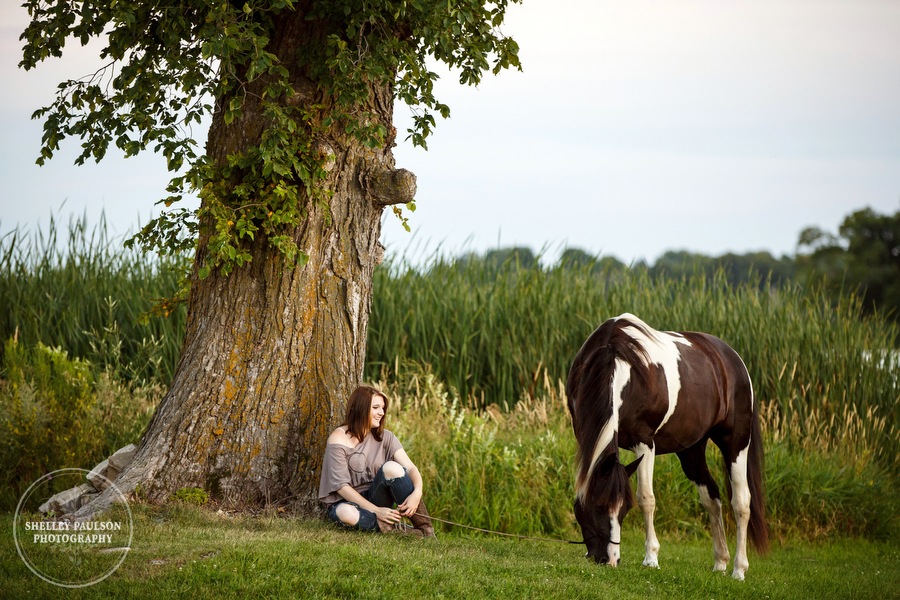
(655, 392)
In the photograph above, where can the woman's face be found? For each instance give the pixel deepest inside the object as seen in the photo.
(376, 411)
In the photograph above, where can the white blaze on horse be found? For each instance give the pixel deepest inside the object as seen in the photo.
(655, 392)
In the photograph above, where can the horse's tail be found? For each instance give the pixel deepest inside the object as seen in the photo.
(758, 530)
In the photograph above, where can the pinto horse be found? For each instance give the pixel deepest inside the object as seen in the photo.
(656, 392)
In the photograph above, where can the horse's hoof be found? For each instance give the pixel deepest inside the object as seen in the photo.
(651, 562)
(738, 575)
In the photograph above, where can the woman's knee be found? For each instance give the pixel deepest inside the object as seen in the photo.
(393, 470)
(348, 514)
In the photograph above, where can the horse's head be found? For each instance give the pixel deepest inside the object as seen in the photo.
(602, 510)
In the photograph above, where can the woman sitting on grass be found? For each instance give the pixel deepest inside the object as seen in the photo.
(366, 472)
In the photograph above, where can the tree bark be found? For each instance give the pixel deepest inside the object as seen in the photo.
(272, 351)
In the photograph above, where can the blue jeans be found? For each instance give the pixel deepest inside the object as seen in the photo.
(382, 492)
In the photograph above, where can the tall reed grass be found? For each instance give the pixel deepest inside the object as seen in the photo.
(489, 333)
(491, 345)
(81, 290)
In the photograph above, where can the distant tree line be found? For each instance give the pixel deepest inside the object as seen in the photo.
(863, 257)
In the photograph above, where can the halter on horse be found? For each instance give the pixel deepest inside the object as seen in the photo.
(655, 392)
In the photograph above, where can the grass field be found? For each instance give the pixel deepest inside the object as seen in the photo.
(181, 552)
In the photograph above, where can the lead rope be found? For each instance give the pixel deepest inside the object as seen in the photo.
(513, 535)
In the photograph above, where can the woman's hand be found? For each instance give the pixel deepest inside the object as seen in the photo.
(409, 506)
(388, 516)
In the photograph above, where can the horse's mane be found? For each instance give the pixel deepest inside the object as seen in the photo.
(589, 390)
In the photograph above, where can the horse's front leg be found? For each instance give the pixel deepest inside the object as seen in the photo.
(646, 501)
(716, 526)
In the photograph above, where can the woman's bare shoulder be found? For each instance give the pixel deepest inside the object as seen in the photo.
(341, 437)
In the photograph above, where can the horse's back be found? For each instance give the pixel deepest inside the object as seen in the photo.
(715, 392)
(691, 395)
(725, 364)
(680, 385)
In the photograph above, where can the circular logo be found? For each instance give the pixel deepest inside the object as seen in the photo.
(69, 552)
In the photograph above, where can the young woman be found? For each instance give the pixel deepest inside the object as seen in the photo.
(366, 472)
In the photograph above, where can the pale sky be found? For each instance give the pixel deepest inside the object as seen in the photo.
(636, 127)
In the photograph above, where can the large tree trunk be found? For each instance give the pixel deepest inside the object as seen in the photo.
(272, 351)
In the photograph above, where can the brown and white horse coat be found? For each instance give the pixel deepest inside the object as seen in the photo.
(654, 392)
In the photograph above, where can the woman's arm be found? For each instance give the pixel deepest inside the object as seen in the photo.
(409, 506)
(382, 513)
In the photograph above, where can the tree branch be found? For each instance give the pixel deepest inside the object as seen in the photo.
(391, 186)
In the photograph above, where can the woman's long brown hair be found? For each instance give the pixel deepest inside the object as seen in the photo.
(359, 406)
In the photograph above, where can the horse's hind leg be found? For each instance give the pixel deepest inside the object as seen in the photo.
(736, 463)
(646, 501)
(693, 463)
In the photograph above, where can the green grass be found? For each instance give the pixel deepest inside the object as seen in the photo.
(79, 289)
(493, 334)
(181, 552)
(57, 411)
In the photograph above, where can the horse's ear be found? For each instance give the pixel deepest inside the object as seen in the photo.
(631, 468)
